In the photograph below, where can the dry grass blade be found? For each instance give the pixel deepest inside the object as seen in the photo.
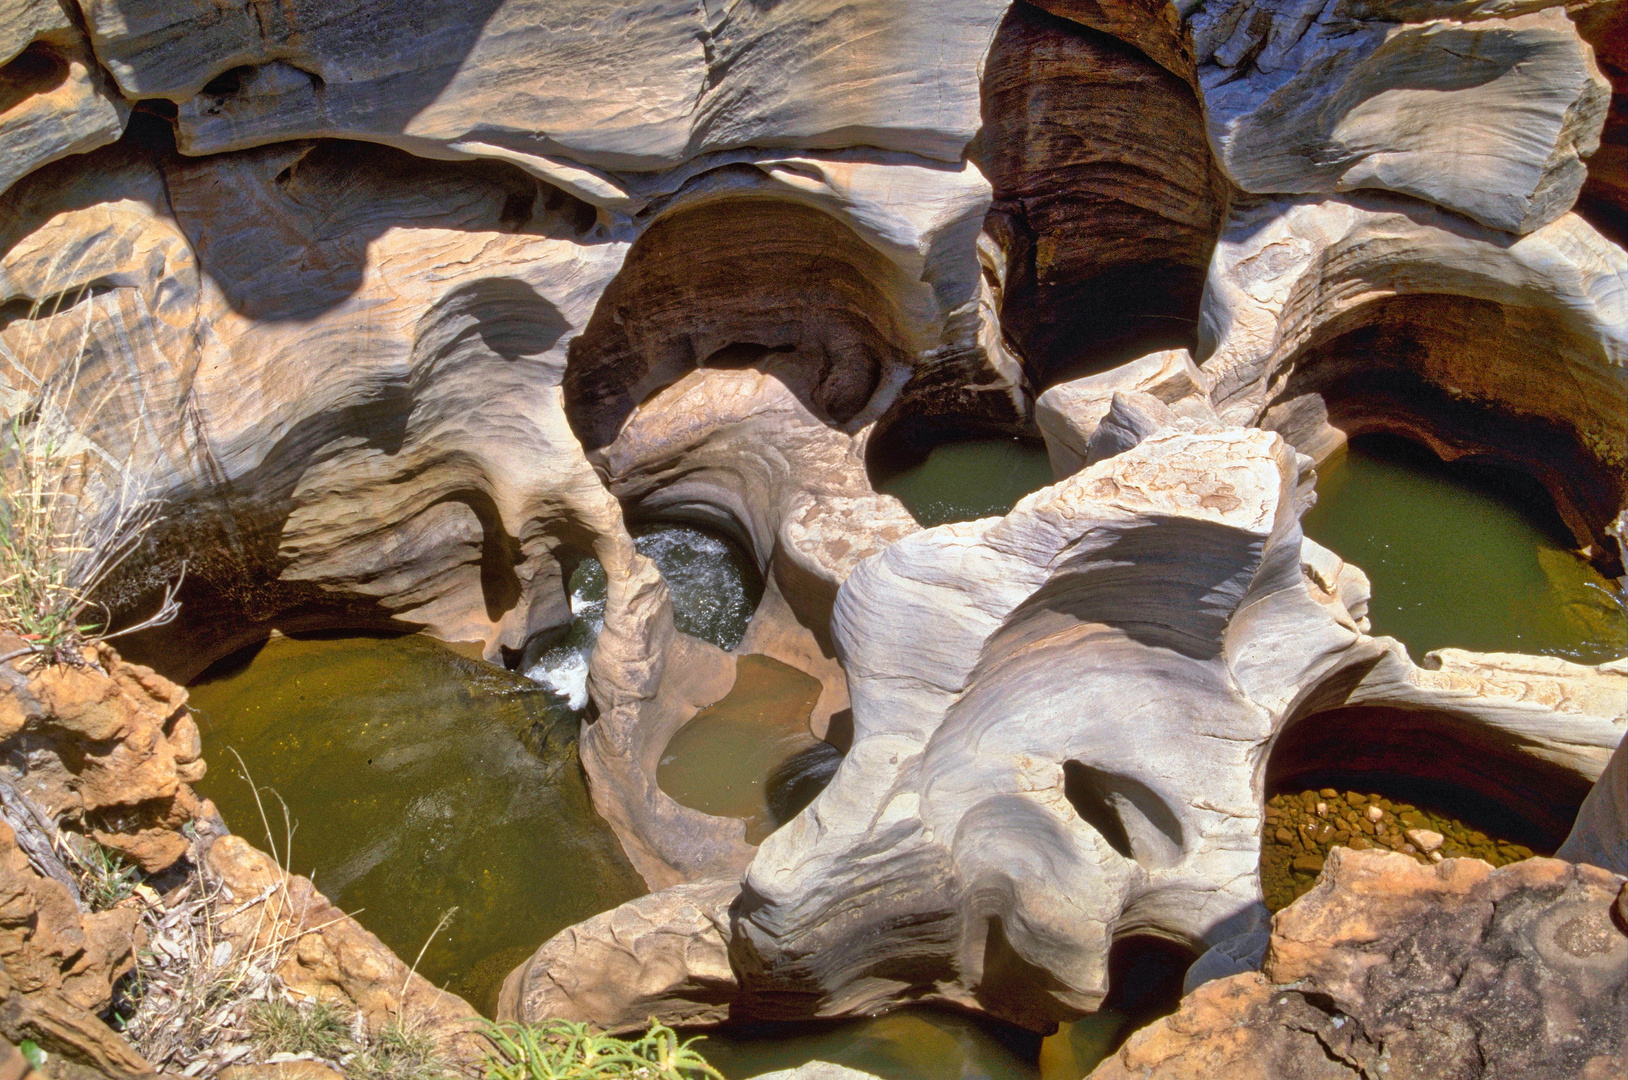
(70, 513)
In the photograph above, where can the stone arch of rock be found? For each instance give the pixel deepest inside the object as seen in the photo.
(401, 327)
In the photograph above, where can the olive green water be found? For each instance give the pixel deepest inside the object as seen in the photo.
(931, 1044)
(1455, 559)
(419, 780)
(726, 760)
(969, 479)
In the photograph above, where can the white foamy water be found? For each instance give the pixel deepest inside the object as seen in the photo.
(564, 668)
(706, 579)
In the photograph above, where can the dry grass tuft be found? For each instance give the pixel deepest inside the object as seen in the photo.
(70, 513)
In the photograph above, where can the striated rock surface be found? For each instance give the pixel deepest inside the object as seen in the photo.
(1304, 97)
(55, 99)
(1389, 967)
(665, 955)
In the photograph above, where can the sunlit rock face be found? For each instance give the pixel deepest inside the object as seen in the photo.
(404, 311)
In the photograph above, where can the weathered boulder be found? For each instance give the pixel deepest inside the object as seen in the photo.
(55, 100)
(1069, 413)
(110, 749)
(58, 966)
(664, 955)
(1452, 970)
(325, 954)
(1306, 97)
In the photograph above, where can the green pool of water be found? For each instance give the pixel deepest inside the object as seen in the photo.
(931, 1044)
(1455, 561)
(969, 479)
(727, 759)
(419, 780)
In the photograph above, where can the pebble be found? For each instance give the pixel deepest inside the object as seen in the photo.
(1425, 840)
(1300, 828)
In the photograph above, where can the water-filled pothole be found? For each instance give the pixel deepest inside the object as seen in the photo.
(751, 755)
(1145, 976)
(1461, 556)
(963, 479)
(419, 780)
(1302, 826)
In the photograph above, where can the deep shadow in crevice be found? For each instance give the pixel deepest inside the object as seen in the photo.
(1107, 204)
(740, 282)
(1488, 778)
(1134, 819)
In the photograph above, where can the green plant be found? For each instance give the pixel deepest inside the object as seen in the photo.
(400, 1051)
(32, 1053)
(104, 877)
(70, 514)
(280, 1026)
(563, 1050)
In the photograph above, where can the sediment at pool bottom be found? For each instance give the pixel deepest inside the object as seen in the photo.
(1303, 826)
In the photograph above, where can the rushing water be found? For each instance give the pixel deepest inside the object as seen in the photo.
(969, 479)
(1455, 560)
(737, 758)
(713, 586)
(419, 780)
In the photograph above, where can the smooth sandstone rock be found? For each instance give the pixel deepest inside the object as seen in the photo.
(665, 955)
(1600, 836)
(1325, 318)
(1300, 97)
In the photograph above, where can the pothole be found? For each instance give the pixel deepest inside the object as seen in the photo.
(956, 475)
(1302, 827)
(416, 780)
(751, 756)
(1462, 556)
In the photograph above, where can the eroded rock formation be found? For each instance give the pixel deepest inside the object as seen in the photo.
(403, 312)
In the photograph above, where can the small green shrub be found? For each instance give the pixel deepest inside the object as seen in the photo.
(563, 1050)
(282, 1027)
(400, 1052)
(104, 877)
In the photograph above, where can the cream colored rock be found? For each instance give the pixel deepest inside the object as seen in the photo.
(567, 91)
(748, 452)
(665, 955)
(1485, 112)
(1068, 414)
(1326, 318)
(1600, 836)
(969, 650)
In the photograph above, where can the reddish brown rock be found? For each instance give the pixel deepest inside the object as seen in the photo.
(1390, 967)
(328, 954)
(110, 746)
